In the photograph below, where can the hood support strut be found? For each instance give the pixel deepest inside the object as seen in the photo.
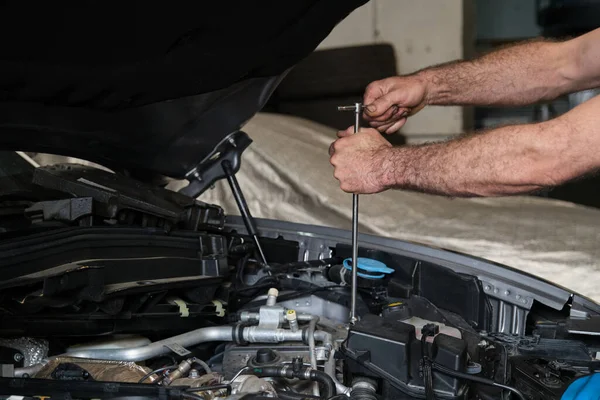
(243, 207)
(224, 162)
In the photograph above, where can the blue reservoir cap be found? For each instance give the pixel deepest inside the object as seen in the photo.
(584, 388)
(369, 268)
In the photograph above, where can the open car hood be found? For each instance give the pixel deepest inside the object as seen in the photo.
(156, 88)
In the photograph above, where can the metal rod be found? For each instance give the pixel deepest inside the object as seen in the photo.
(243, 207)
(353, 317)
(357, 108)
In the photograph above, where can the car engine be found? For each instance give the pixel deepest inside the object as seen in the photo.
(112, 288)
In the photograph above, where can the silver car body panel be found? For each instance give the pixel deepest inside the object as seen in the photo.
(511, 292)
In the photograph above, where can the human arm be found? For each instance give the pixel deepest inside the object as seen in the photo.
(504, 161)
(522, 74)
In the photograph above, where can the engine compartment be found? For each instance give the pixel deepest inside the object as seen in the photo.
(114, 289)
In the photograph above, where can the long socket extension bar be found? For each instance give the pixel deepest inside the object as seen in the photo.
(357, 108)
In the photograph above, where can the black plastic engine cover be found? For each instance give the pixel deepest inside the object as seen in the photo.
(108, 280)
(125, 200)
(384, 343)
(386, 348)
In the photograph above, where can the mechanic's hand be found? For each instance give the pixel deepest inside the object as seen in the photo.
(358, 160)
(390, 101)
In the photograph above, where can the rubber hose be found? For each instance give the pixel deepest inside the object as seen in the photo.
(202, 364)
(363, 394)
(315, 376)
(253, 396)
(325, 380)
(295, 396)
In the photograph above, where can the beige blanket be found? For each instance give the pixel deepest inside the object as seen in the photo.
(286, 175)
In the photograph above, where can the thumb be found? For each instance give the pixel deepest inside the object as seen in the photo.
(380, 106)
(346, 133)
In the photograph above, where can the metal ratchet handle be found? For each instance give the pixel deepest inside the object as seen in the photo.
(357, 108)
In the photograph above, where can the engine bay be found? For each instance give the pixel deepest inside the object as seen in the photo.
(113, 288)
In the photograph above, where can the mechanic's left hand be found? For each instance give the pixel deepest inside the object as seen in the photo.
(358, 160)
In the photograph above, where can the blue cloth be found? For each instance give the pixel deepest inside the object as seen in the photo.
(585, 388)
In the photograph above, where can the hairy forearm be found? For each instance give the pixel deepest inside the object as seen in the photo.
(499, 162)
(522, 74)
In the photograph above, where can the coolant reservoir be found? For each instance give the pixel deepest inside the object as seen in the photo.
(418, 323)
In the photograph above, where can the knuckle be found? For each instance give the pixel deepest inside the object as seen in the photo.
(372, 86)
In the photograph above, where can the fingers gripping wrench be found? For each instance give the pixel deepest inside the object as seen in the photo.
(357, 108)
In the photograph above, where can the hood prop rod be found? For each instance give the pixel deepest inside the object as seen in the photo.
(243, 207)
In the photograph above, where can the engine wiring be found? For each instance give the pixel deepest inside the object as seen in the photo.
(441, 369)
(427, 372)
(157, 371)
(203, 364)
(186, 395)
(477, 379)
(247, 290)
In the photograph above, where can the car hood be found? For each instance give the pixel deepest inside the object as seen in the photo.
(149, 87)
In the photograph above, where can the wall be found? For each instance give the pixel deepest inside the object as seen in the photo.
(423, 33)
(506, 20)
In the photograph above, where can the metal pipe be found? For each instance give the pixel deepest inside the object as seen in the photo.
(312, 326)
(202, 335)
(122, 342)
(254, 317)
(325, 338)
(256, 334)
(340, 388)
(28, 372)
(330, 370)
(252, 334)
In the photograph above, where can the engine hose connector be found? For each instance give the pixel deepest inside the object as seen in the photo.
(292, 319)
(272, 296)
(364, 389)
(184, 367)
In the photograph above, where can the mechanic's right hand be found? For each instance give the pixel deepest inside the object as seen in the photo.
(390, 101)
